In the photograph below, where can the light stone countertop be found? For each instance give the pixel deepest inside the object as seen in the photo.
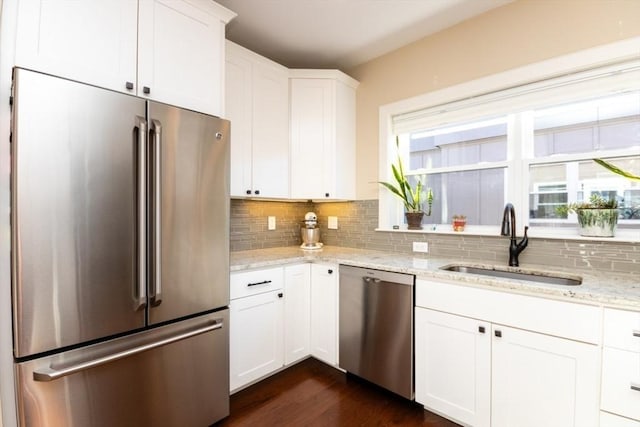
(597, 288)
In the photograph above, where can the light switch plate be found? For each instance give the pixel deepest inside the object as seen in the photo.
(271, 222)
(332, 223)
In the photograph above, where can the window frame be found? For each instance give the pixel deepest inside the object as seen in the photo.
(519, 156)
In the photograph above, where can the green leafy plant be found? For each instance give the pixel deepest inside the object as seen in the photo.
(595, 202)
(613, 168)
(412, 198)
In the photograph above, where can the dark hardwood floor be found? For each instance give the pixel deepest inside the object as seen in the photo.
(314, 394)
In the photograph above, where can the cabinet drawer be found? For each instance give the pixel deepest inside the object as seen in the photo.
(610, 420)
(256, 282)
(622, 329)
(621, 382)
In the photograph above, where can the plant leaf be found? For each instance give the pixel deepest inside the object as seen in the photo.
(613, 168)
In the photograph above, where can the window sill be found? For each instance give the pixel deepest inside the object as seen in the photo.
(622, 235)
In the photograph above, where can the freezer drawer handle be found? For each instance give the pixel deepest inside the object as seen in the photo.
(50, 374)
(264, 282)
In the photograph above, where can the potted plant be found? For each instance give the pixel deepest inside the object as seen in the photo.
(458, 222)
(597, 218)
(412, 198)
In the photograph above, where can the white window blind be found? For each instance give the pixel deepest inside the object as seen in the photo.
(617, 77)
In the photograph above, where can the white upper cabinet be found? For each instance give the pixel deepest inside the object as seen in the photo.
(257, 103)
(89, 41)
(323, 109)
(181, 53)
(174, 48)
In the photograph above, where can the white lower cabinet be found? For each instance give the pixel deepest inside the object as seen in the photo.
(453, 357)
(279, 316)
(621, 366)
(484, 373)
(540, 380)
(256, 326)
(297, 308)
(324, 312)
(610, 420)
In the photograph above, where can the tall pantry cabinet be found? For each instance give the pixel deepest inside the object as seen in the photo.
(170, 51)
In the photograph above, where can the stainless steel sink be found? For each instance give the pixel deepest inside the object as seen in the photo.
(531, 276)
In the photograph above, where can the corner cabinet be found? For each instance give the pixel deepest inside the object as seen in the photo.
(297, 307)
(488, 358)
(170, 51)
(257, 103)
(323, 111)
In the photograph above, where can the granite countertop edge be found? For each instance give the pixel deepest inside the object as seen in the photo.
(597, 288)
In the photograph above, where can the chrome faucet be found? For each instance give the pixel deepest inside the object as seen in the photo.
(509, 228)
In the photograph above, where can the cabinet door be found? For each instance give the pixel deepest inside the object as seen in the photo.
(270, 155)
(181, 53)
(324, 312)
(312, 130)
(238, 105)
(297, 307)
(540, 380)
(453, 366)
(255, 337)
(91, 42)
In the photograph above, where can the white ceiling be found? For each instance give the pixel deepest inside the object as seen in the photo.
(341, 33)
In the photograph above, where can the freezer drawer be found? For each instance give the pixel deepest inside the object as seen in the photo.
(182, 380)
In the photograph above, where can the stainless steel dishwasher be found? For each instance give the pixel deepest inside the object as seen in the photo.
(376, 327)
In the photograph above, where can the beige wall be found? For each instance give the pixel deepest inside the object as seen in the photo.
(517, 34)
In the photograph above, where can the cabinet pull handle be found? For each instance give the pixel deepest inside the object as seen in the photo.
(146, 90)
(264, 282)
(636, 333)
(326, 194)
(248, 191)
(280, 295)
(330, 271)
(481, 329)
(256, 192)
(635, 386)
(129, 85)
(497, 333)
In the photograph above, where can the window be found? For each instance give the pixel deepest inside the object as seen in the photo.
(535, 150)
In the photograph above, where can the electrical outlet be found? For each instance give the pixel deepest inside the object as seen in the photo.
(271, 222)
(332, 223)
(421, 247)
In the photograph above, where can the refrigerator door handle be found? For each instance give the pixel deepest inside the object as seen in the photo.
(141, 297)
(156, 295)
(51, 374)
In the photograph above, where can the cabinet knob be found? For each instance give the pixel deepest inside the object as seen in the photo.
(497, 333)
(146, 90)
(129, 85)
(481, 329)
(330, 271)
(326, 194)
(280, 295)
(248, 191)
(256, 192)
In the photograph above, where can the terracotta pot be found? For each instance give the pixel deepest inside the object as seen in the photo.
(458, 224)
(414, 220)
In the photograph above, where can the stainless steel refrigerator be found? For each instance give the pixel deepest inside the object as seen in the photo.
(120, 258)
